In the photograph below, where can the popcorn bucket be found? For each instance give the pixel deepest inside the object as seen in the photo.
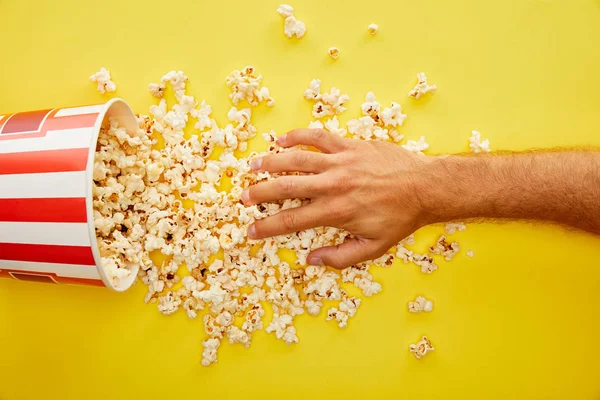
(46, 214)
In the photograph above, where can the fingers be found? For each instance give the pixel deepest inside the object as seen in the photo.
(346, 254)
(319, 138)
(296, 161)
(289, 221)
(282, 188)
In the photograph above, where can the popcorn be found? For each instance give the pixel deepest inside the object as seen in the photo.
(373, 28)
(377, 123)
(283, 328)
(285, 10)
(470, 253)
(421, 348)
(347, 309)
(157, 89)
(209, 354)
(422, 87)
(334, 52)
(416, 147)
(420, 304)
(333, 125)
(442, 247)
(452, 227)
(425, 262)
(477, 145)
(326, 104)
(102, 78)
(176, 78)
(246, 85)
(149, 197)
(292, 27)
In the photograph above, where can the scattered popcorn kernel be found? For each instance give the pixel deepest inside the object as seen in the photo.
(292, 27)
(417, 147)
(422, 87)
(421, 348)
(157, 89)
(452, 227)
(470, 253)
(285, 10)
(334, 52)
(420, 304)
(326, 104)
(102, 78)
(442, 247)
(477, 145)
(373, 28)
(378, 123)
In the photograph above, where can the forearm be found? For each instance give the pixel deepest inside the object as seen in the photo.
(561, 187)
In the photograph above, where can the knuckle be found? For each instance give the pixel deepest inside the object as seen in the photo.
(301, 158)
(285, 185)
(289, 221)
(319, 135)
(342, 183)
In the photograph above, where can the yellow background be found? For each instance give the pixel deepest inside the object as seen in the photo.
(521, 320)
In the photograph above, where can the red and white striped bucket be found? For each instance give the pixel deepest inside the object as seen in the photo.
(46, 217)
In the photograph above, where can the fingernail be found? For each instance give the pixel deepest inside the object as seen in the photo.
(282, 139)
(252, 231)
(245, 196)
(256, 164)
(315, 261)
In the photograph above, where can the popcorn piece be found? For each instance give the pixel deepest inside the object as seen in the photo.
(420, 304)
(246, 85)
(315, 125)
(157, 89)
(102, 78)
(416, 147)
(209, 354)
(377, 123)
(176, 78)
(347, 309)
(292, 27)
(425, 262)
(285, 10)
(326, 104)
(373, 28)
(477, 145)
(442, 247)
(334, 52)
(422, 87)
(452, 227)
(470, 253)
(421, 348)
(283, 328)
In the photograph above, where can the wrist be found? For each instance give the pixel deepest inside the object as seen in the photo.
(446, 191)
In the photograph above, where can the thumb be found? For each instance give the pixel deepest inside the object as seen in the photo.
(345, 254)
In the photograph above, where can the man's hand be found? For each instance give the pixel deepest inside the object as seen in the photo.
(365, 187)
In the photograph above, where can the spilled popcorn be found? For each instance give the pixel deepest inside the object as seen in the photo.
(452, 227)
(291, 26)
(421, 348)
(373, 28)
(422, 87)
(377, 123)
(444, 248)
(334, 52)
(149, 199)
(102, 78)
(420, 304)
(477, 145)
(326, 104)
